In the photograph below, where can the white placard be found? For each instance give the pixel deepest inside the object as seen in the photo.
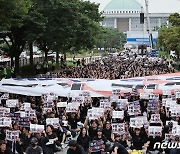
(5, 121)
(30, 113)
(11, 103)
(155, 118)
(144, 96)
(26, 106)
(148, 91)
(155, 130)
(95, 113)
(72, 107)
(4, 112)
(138, 122)
(116, 92)
(154, 96)
(12, 135)
(118, 114)
(53, 121)
(167, 92)
(118, 128)
(122, 104)
(176, 130)
(134, 108)
(105, 105)
(62, 104)
(177, 94)
(78, 100)
(5, 96)
(35, 128)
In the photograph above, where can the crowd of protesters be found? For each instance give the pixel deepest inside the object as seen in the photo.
(82, 133)
(115, 67)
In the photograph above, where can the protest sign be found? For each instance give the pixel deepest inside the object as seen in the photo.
(144, 96)
(95, 113)
(176, 130)
(72, 107)
(177, 94)
(138, 122)
(148, 91)
(97, 145)
(122, 104)
(175, 112)
(118, 128)
(61, 104)
(11, 103)
(25, 106)
(116, 92)
(171, 122)
(127, 95)
(105, 105)
(155, 131)
(30, 113)
(12, 135)
(154, 96)
(5, 96)
(134, 108)
(4, 112)
(53, 121)
(35, 128)
(118, 114)
(168, 137)
(5, 121)
(78, 100)
(153, 105)
(46, 110)
(155, 118)
(24, 121)
(48, 104)
(167, 92)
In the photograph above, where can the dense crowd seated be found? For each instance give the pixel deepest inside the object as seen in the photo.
(116, 67)
(87, 131)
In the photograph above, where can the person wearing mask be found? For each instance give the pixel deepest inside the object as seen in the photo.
(83, 139)
(4, 149)
(34, 148)
(75, 148)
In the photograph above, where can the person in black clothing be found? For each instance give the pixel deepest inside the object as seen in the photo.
(107, 131)
(119, 148)
(4, 149)
(34, 148)
(75, 148)
(83, 139)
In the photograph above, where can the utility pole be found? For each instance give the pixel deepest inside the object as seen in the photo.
(148, 24)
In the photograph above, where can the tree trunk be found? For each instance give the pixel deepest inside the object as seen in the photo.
(57, 57)
(31, 52)
(46, 55)
(17, 64)
(12, 61)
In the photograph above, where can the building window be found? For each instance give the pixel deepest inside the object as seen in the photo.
(123, 11)
(117, 11)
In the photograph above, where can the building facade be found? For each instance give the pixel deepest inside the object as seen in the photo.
(125, 16)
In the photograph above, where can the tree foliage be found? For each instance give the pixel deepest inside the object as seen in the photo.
(169, 37)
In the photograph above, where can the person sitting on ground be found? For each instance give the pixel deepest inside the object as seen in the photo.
(75, 148)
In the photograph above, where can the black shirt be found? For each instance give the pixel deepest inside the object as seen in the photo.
(92, 133)
(107, 133)
(84, 141)
(121, 148)
(37, 150)
(79, 150)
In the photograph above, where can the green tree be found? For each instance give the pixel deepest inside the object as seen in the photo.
(169, 37)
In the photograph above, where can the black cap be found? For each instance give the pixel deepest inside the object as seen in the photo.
(116, 135)
(34, 140)
(99, 130)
